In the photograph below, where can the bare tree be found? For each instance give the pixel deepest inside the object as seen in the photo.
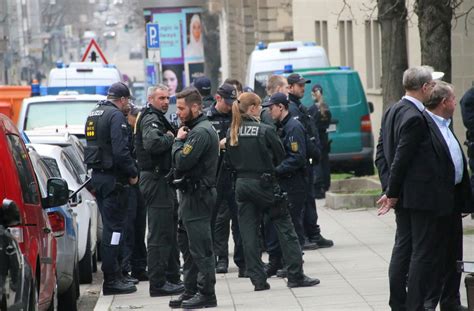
(392, 16)
(434, 24)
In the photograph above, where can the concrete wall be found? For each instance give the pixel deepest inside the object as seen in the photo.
(307, 12)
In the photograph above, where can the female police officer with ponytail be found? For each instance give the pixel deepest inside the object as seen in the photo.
(254, 151)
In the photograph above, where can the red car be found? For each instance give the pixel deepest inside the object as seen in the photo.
(34, 235)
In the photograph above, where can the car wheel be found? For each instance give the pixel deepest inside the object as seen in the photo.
(94, 261)
(33, 297)
(67, 301)
(85, 265)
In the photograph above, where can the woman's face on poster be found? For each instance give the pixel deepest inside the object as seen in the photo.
(196, 29)
(170, 80)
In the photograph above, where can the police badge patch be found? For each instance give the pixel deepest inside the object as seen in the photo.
(187, 149)
(294, 146)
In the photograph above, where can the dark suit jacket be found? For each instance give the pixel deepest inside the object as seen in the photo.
(445, 189)
(405, 158)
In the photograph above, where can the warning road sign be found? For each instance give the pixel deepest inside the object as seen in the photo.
(94, 53)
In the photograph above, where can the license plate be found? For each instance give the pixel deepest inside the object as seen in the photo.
(331, 128)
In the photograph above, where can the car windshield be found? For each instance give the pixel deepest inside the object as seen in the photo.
(57, 114)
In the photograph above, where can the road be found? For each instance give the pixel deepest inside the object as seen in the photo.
(90, 292)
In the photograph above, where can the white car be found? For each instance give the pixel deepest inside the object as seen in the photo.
(84, 206)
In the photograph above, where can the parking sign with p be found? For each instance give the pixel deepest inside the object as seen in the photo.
(152, 36)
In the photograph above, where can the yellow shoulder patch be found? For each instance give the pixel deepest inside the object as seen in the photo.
(187, 149)
(294, 146)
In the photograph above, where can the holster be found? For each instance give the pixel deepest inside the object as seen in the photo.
(280, 204)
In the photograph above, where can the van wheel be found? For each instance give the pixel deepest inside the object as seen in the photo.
(67, 301)
(85, 265)
(365, 169)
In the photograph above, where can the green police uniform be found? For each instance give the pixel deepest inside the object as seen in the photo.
(254, 159)
(153, 147)
(195, 160)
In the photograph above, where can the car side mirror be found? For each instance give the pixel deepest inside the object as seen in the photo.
(58, 192)
(9, 214)
(371, 107)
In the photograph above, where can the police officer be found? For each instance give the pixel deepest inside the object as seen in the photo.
(254, 151)
(220, 116)
(195, 156)
(113, 171)
(153, 142)
(138, 259)
(291, 172)
(298, 111)
(203, 85)
(322, 117)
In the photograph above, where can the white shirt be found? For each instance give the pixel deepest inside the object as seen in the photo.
(453, 145)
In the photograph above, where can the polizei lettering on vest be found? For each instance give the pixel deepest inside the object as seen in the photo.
(248, 130)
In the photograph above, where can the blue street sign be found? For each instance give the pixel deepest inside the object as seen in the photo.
(152, 36)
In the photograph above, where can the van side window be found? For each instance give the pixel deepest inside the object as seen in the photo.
(29, 188)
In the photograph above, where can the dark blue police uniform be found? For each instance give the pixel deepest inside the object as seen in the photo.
(107, 153)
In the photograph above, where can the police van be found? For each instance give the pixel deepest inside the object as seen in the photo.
(83, 74)
(280, 57)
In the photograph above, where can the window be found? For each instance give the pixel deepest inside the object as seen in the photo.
(322, 34)
(373, 54)
(29, 188)
(70, 167)
(346, 43)
(52, 166)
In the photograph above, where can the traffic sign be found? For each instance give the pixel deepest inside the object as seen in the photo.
(152, 36)
(94, 53)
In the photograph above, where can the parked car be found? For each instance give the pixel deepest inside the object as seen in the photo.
(17, 290)
(110, 34)
(111, 22)
(83, 204)
(34, 234)
(63, 223)
(75, 150)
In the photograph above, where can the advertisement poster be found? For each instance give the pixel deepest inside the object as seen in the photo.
(195, 70)
(181, 45)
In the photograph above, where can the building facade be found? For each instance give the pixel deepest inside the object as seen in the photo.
(351, 37)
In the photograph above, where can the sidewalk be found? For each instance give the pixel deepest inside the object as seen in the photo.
(353, 273)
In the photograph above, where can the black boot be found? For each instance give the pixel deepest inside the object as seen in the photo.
(167, 289)
(199, 301)
(321, 241)
(260, 287)
(176, 303)
(222, 265)
(274, 264)
(282, 273)
(305, 281)
(129, 279)
(140, 275)
(114, 285)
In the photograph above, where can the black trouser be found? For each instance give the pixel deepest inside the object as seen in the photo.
(322, 174)
(416, 246)
(448, 277)
(195, 240)
(225, 211)
(139, 254)
(163, 253)
(128, 242)
(112, 199)
(310, 213)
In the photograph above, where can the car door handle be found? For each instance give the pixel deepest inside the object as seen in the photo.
(46, 230)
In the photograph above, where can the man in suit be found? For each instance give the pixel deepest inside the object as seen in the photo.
(453, 191)
(406, 165)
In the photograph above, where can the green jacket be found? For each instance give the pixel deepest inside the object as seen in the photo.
(197, 156)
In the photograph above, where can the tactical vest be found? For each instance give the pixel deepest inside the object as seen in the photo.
(98, 152)
(146, 160)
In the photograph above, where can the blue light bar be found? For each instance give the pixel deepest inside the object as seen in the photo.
(288, 68)
(345, 67)
(309, 43)
(54, 90)
(260, 46)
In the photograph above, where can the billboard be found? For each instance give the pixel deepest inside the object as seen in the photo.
(181, 45)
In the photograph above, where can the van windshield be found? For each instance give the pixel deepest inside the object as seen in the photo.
(260, 84)
(57, 114)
